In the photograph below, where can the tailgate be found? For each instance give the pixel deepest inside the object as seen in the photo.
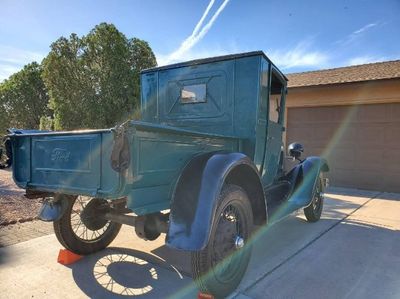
(70, 163)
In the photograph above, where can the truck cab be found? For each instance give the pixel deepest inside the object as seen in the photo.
(240, 96)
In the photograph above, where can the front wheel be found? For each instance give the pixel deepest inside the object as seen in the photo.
(80, 229)
(219, 268)
(314, 210)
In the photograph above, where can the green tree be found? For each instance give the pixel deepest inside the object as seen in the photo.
(93, 81)
(23, 99)
(4, 117)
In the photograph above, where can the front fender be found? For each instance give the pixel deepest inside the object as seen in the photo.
(304, 178)
(196, 194)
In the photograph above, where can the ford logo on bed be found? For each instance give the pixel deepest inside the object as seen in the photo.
(60, 154)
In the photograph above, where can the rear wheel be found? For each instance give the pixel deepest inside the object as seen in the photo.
(314, 210)
(80, 229)
(219, 268)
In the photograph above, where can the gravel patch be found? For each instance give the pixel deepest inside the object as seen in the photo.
(14, 207)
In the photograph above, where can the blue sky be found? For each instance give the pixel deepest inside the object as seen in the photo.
(296, 35)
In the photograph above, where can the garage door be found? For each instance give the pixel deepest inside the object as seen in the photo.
(361, 143)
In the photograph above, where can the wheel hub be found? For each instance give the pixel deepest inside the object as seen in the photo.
(239, 242)
(90, 215)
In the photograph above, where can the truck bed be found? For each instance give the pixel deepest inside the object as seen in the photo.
(79, 162)
(75, 162)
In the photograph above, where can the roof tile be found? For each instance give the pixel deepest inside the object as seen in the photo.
(356, 73)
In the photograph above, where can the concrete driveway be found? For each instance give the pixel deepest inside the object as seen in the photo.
(352, 252)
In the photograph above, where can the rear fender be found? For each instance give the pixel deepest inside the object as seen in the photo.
(197, 191)
(303, 178)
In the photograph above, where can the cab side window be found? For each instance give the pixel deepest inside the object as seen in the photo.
(275, 99)
(274, 108)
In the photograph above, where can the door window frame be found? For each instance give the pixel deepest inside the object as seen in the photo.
(275, 73)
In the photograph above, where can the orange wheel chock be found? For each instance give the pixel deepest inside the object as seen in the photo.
(66, 257)
(201, 295)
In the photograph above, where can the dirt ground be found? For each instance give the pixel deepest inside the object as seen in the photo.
(14, 207)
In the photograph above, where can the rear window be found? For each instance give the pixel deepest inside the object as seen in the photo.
(191, 94)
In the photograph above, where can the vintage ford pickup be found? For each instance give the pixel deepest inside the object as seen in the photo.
(204, 166)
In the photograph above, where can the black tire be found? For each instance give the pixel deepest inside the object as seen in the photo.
(73, 233)
(218, 271)
(314, 210)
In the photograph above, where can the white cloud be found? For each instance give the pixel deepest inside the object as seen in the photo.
(203, 17)
(19, 56)
(365, 59)
(7, 70)
(356, 34)
(13, 59)
(366, 27)
(196, 36)
(302, 55)
(197, 54)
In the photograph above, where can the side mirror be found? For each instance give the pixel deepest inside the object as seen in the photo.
(295, 149)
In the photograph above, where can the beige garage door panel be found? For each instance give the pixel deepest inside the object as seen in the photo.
(361, 143)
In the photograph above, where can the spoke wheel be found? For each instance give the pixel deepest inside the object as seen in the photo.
(219, 268)
(80, 229)
(314, 210)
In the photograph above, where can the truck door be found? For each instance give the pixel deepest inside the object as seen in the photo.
(276, 102)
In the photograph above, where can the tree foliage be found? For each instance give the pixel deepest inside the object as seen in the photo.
(93, 81)
(23, 99)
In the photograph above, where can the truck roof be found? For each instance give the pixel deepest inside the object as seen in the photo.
(212, 59)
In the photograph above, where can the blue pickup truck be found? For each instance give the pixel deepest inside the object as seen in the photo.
(205, 166)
